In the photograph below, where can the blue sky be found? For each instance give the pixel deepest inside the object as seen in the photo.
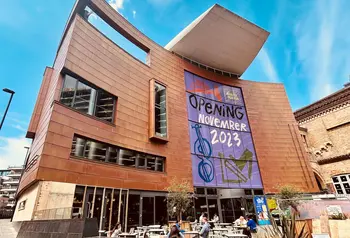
(307, 50)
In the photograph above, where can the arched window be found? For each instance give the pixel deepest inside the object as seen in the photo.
(342, 183)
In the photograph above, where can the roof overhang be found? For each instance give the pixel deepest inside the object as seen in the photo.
(220, 39)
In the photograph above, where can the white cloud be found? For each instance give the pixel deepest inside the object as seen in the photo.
(12, 150)
(19, 127)
(134, 14)
(116, 4)
(267, 66)
(323, 46)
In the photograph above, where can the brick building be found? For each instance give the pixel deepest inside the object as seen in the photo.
(324, 127)
(110, 130)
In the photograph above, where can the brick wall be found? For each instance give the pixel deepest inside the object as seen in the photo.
(327, 137)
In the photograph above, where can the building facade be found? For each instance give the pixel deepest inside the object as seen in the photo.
(110, 131)
(9, 181)
(324, 128)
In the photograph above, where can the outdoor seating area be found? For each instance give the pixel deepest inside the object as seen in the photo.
(143, 231)
(218, 230)
(158, 231)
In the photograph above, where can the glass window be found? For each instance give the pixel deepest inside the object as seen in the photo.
(68, 90)
(127, 157)
(258, 192)
(78, 202)
(159, 165)
(341, 183)
(104, 106)
(84, 100)
(103, 152)
(141, 160)
(95, 151)
(113, 155)
(87, 99)
(160, 110)
(78, 146)
(211, 191)
(199, 191)
(151, 163)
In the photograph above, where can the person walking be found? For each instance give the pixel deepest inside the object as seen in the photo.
(205, 229)
(201, 218)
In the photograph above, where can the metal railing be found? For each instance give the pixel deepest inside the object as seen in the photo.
(55, 213)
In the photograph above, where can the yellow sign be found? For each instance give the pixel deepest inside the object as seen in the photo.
(271, 203)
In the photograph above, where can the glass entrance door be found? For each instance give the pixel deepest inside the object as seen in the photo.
(227, 210)
(133, 211)
(93, 204)
(148, 211)
(129, 208)
(212, 207)
(237, 207)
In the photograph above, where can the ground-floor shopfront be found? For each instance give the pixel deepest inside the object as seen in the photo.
(133, 208)
(109, 206)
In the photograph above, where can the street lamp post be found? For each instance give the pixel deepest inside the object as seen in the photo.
(6, 90)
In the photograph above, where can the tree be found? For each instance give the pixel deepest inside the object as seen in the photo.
(179, 197)
(289, 196)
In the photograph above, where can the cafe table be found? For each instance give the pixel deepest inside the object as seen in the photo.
(219, 229)
(156, 231)
(154, 227)
(127, 235)
(225, 224)
(235, 226)
(235, 235)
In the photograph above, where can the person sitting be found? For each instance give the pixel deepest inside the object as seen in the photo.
(252, 225)
(116, 230)
(175, 232)
(241, 221)
(205, 229)
(216, 218)
(178, 225)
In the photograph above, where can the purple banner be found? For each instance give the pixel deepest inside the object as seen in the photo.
(222, 149)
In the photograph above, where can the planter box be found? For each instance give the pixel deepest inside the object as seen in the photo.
(184, 226)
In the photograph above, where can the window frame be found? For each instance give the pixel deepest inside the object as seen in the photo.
(341, 183)
(118, 148)
(22, 205)
(78, 79)
(152, 112)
